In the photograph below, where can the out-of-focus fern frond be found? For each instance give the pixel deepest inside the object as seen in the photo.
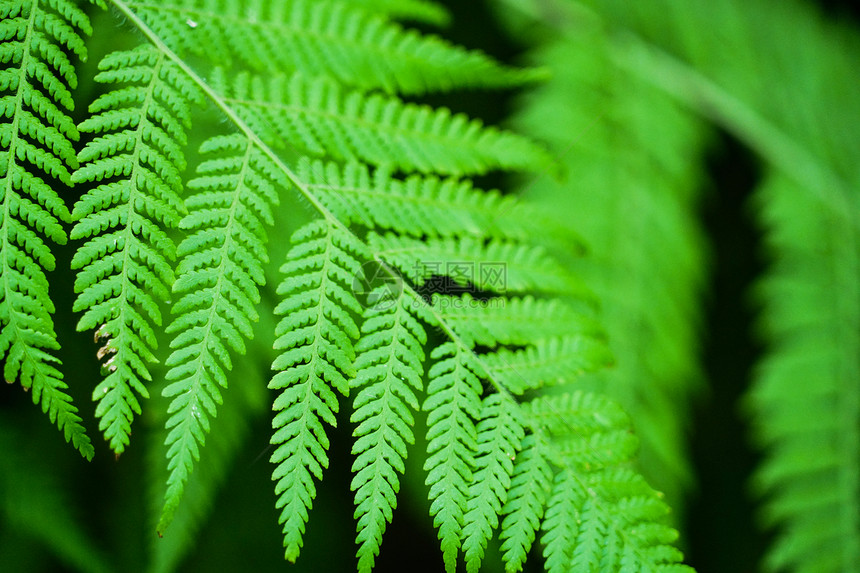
(35, 504)
(785, 90)
(788, 95)
(630, 155)
(805, 399)
(415, 10)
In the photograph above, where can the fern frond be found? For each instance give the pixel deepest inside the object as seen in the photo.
(315, 339)
(453, 404)
(805, 396)
(500, 433)
(601, 515)
(550, 362)
(415, 206)
(523, 510)
(642, 150)
(317, 116)
(304, 84)
(313, 37)
(37, 138)
(512, 321)
(36, 504)
(220, 272)
(389, 366)
(124, 268)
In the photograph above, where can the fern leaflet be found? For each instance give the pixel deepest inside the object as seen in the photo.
(513, 321)
(500, 433)
(36, 155)
(320, 118)
(389, 366)
(135, 161)
(519, 267)
(523, 511)
(314, 37)
(549, 362)
(559, 525)
(415, 206)
(220, 271)
(315, 339)
(453, 404)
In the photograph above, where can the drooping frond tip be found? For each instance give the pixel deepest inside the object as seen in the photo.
(315, 342)
(219, 273)
(125, 267)
(37, 155)
(389, 368)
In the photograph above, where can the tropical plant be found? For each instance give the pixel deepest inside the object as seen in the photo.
(491, 354)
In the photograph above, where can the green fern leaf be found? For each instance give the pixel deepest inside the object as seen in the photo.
(320, 118)
(453, 404)
(416, 206)
(389, 366)
(135, 161)
(315, 339)
(524, 508)
(304, 84)
(512, 321)
(500, 433)
(559, 524)
(313, 37)
(36, 155)
(220, 271)
(550, 362)
(644, 151)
